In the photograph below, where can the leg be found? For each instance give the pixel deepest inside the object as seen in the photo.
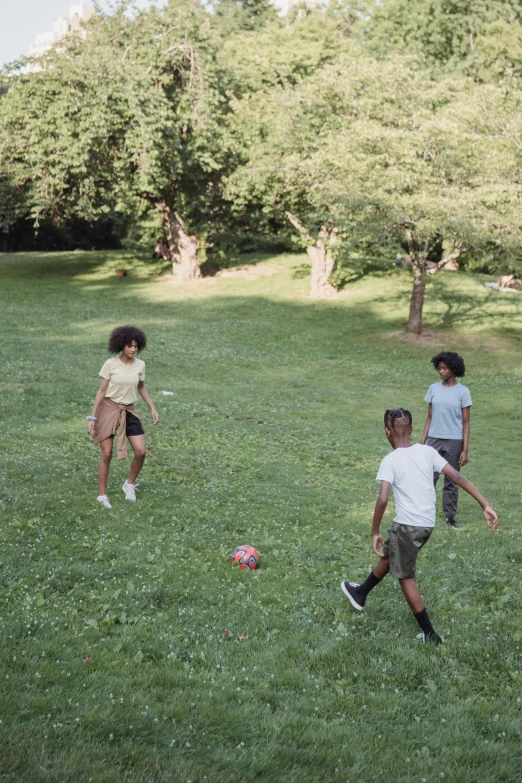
(450, 492)
(357, 593)
(438, 445)
(378, 573)
(412, 595)
(403, 551)
(103, 467)
(416, 604)
(138, 446)
(382, 568)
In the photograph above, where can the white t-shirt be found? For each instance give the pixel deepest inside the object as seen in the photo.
(123, 379)
(410, 472)
(446, 409)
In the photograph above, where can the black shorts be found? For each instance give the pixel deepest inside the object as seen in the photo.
(132, 425)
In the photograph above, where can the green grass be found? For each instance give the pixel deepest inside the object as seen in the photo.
(115, 665)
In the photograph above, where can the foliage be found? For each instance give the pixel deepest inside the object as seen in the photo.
(134, 115)
(500, 51)
(229, 16)
(12, 204)
(115, 663)
(388, 154)
(282, 52)
(129, 114)
(444, 33)
(236, 122)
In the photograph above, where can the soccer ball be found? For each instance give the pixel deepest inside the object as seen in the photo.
(246, 556)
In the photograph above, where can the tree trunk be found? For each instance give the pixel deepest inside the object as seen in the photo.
(183, 247)
(417, 295)
(321, 257)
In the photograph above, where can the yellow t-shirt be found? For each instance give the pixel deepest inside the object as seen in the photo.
(123, 379)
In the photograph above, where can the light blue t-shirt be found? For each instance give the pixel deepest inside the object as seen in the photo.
(447, 403)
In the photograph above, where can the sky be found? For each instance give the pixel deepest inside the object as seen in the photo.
(21, 20)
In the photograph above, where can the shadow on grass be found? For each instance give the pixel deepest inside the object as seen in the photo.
(353, 271)
(388, 310)
(473, 308)
(136, 264)
(234, 259)
(66, 266)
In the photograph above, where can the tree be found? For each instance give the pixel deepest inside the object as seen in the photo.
(12, 206)
(130, 114)
(500, 51)
(233, 15)
(369, 152)
(263, 125)
(447, 33)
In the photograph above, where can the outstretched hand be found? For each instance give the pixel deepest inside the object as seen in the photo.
(491, 518)
(378, 543)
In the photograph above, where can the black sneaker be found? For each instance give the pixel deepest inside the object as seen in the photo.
(432, 638)
(350, 591)
(451, 522)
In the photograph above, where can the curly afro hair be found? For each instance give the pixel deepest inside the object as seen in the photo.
(451, 360)
(124, 335)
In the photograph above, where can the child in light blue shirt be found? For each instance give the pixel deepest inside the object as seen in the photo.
(447, 423)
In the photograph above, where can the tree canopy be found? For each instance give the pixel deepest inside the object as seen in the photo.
(361, 129)
(374, 154)
(130, 114)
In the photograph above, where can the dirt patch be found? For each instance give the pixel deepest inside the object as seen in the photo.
(426, 338)
(442, 340)
(252, 271)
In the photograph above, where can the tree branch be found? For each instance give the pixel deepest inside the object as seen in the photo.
(451, 257)
(299, 226)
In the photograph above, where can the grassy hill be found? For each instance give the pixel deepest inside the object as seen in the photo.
(132, 650)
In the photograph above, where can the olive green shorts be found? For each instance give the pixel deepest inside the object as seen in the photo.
(403, 544)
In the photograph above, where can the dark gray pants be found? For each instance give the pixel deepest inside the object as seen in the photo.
(451, 451)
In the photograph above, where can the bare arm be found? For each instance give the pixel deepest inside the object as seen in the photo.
(427, 425)
(465, 436)
(380, 508)
(489, 515)
(100, 394)
(145, 396)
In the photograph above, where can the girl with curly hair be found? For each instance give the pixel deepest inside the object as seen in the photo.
(447, 424)
(123, 379)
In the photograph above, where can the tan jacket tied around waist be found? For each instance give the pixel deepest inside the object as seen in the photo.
(111, 416)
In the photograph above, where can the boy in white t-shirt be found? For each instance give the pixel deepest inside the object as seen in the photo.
(408, 470)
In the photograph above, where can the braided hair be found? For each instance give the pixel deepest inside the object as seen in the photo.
(394, 414)
(451, 360)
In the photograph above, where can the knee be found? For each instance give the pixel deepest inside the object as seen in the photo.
(140, 454)
(106, 457)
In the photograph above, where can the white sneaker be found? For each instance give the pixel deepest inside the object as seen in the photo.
(130, 491)
(104, 501)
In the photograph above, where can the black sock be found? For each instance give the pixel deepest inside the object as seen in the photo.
(425, 623)
(370, 583)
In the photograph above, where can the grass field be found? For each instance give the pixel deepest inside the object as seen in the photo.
(132, 650)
